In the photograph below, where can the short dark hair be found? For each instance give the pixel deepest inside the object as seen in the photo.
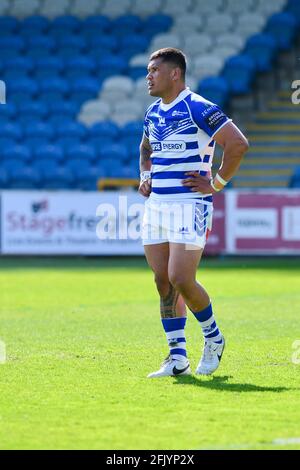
(172, 55)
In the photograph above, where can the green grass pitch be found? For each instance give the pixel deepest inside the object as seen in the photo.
(82, 334)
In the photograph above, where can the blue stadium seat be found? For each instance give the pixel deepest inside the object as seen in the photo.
(3, 178)
(130, 172)
(74, 130)
(17, 67)
(81, 152)
(69, 47)
(79, 67)
(293, 7)
(12, 165)
(83, 89)
(45, 166)
(7, 112)
(95, 25)
(62, 110)
(8, 25)
(117, 152)
(16, 152)
(283, 27)
(11, 130)
(104, 129)
(37, 133)
(47, 66)
(112, 65)
(137, 72)
(21, 90)
(108, 167)
(39, 129)
(53, 90)
(11, 46)
(133, 129)
(24, 178)
(103, 133)
(261, 47)
(65, 143)
(48, 152)
(5, 142)
(155, 24)
(38, 47)
(131, 143)
(239, 72)
(87, 179)
(61, 26)
(31, 111)
(100, 46)
(125, 25)
(59, 178)
(77, 165)
(214, 89)
(34, 25)
(133, 44)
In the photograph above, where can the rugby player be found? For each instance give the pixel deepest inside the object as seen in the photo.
(176, 153)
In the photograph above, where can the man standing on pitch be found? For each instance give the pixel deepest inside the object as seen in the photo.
(176, 152)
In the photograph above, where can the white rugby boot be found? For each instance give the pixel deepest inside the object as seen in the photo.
(172, 367)
(211, 357)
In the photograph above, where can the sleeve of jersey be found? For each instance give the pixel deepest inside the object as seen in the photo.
(145, 128)
(209, 117)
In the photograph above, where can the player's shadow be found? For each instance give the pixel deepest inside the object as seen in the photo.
(221, 383)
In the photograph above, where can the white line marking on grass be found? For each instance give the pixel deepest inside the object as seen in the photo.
(276, 442)
(286, 441)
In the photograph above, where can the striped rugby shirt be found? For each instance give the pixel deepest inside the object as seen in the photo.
(181, 136)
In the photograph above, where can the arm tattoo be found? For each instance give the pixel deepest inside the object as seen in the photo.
(168, 304)
(145, 154)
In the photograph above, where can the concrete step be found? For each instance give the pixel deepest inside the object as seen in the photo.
(266, 172)
(259, 184)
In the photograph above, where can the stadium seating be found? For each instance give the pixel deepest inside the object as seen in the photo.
(75, 73)
(261, 47)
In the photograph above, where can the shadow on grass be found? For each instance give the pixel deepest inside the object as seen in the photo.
(221, 383)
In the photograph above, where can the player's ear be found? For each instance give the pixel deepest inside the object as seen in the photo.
(175, 74)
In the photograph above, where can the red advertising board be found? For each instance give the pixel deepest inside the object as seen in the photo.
(263, 222)
(216, 240)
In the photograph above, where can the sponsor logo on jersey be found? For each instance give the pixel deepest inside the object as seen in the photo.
(169, 146)
(179, 113)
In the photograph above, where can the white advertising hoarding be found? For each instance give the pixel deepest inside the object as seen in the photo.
(64, 222)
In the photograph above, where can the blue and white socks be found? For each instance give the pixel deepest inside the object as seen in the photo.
(208, 324)
(174, 329)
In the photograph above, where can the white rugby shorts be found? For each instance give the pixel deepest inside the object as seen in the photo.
(188, 221)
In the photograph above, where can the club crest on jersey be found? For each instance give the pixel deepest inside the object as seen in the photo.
(161, 121)
(169, 146)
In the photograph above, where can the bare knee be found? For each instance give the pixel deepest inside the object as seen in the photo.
(180, 281)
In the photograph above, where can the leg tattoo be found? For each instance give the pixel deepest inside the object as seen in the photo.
(168, 304)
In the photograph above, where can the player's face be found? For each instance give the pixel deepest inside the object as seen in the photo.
(159, 78)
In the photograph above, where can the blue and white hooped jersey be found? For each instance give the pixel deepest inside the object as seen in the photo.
(181, 136)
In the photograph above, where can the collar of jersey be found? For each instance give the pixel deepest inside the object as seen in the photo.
(183, 94)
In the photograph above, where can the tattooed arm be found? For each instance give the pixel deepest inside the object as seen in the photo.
(145, 165)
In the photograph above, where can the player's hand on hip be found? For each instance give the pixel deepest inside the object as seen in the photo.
(145, 188)
(198, 183)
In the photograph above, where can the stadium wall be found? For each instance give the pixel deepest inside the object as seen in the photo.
(109, 223)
